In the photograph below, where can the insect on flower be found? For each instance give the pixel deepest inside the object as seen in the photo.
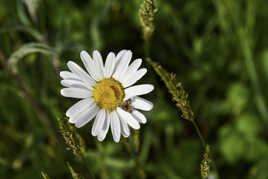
(106, 93)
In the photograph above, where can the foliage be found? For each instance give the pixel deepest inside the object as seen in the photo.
(218, 51)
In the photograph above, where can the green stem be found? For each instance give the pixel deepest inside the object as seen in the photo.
(147, 48)
(204, 143)
(133, 154)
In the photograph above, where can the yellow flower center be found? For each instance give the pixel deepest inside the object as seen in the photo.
(108, 94)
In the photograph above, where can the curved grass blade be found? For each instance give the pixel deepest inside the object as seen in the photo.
(26, 50)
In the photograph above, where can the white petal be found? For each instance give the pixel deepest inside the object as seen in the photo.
(66, 75)
(142, 104)
(86, 116)
(75, 84)
(128, 118)
(78, 107)
(76, 69)
(75, 93)
(98, 123)
(76, 115)
(109, 65)
(85, 57)
(134, 78)
(98, 63)
(122, 66)
(73, 118)
(119, 56)
(139, 116)
(133, 68)
(115, 126)
(104, 128)
(124, 128)
(89, 64)
(138, 90)
(97, 57)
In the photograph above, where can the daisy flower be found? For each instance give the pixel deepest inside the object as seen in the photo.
(106, 93)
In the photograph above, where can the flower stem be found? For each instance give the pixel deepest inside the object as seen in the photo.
(132, 147)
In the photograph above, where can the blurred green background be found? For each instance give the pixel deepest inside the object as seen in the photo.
(217, 48)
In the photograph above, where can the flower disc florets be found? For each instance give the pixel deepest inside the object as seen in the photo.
(108, 94)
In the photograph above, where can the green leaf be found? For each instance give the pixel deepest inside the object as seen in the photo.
(257, 149)
(22, 13)
(261, 171)
(32, 6)
(237, 97)
(248, 124)
(232, 146)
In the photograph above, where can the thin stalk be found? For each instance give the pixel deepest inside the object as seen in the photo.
(133, 153)
(147, 48)
(204, 143)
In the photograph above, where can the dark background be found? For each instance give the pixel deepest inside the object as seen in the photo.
(217, 48)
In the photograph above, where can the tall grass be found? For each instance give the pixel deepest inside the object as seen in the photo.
(207, 60)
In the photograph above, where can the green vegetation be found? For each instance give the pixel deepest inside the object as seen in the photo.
(208, 61)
